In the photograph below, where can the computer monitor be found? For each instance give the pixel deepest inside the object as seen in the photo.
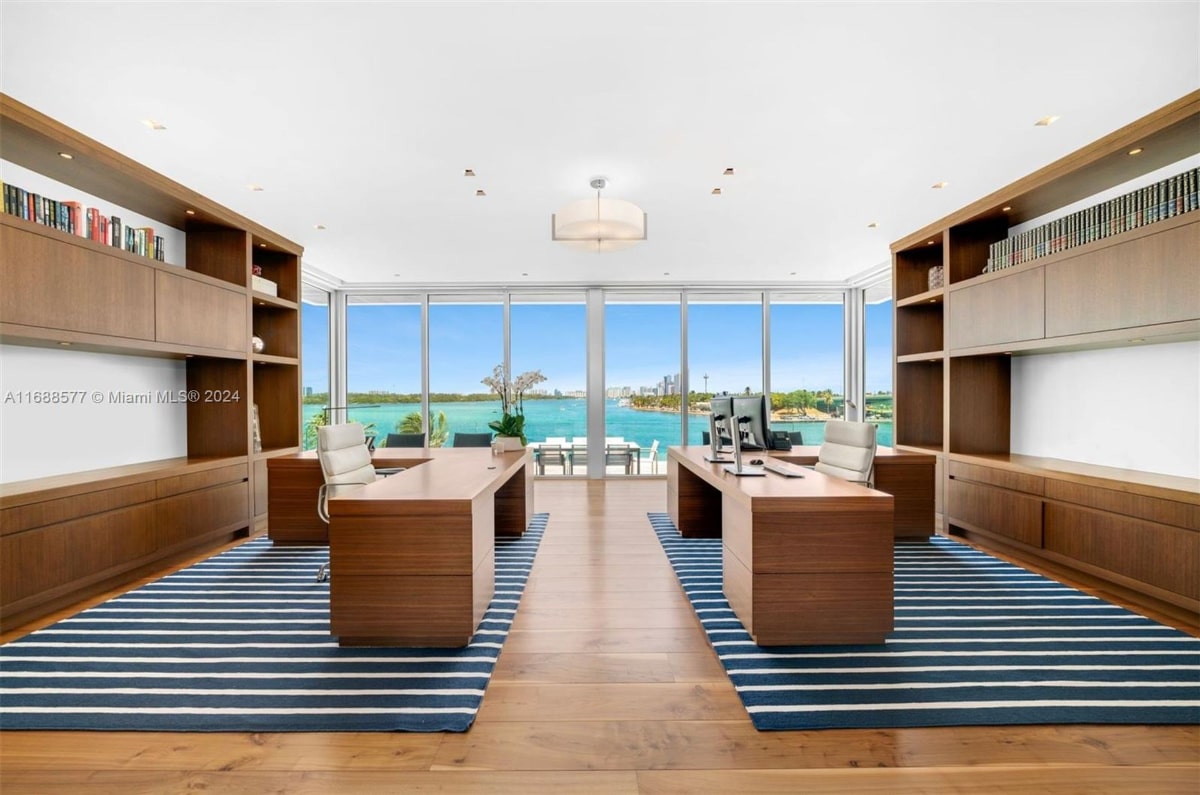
(719, 422)
(753, 420)
(722, 417)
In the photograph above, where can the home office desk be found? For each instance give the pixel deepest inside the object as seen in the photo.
(806, 561)
(909, 477)
(412, 555)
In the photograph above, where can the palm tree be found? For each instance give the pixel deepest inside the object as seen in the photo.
(411, 423)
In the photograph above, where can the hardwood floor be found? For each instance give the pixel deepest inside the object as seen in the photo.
(607, 685)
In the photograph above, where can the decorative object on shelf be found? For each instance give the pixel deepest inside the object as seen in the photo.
(599, 224)
(261, 285)
(1158, 202)
(511, 425)
(937, 277)
(257, 431)
(257, 344)
(256, 270)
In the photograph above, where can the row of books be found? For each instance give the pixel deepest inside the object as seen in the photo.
(1156, 202)
(75, 219)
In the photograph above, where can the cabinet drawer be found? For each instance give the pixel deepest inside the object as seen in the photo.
(998, 511)
(64, 509)
(1144, 281)
(1005, 479)
(190, 312)
(52, 284)
(188, 517)
(1159, 555)
(193, 481)
(1008, 309)
(1180, 514)
(60, 557)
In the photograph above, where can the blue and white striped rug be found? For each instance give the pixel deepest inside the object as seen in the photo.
(977, 642)
(240, 643)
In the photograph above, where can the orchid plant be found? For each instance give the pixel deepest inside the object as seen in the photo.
(512, 399)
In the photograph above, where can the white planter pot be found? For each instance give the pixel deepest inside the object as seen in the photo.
(507, 444)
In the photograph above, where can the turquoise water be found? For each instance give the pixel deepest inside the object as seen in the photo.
(568, 417)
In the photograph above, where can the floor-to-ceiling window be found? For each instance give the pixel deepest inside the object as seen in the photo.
(314, 359)
(466, 342)
(383, 363)
(725, 344)
(548, 334)
(807, 362)
(877, 359)
(642, 378)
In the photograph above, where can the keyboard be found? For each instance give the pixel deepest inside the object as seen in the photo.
(783, 468)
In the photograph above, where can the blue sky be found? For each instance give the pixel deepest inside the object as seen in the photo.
(641, 345)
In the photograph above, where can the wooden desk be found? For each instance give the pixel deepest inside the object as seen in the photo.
(908, 477)
(412, 555)
(806, 561)
(293, 482)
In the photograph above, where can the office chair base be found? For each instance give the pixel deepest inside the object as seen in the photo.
(323, 573)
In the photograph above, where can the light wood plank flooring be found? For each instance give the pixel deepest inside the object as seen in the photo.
(607, 685)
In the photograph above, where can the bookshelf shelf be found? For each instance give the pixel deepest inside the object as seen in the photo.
(65, 290)
(955, 347)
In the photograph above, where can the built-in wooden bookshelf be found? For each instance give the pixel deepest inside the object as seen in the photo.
(63, 537)
(954, 349)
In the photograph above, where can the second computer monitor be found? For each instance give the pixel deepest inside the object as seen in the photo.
(753, 432)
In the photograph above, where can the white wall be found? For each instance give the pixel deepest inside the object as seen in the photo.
(1133, 408)
(94, 429)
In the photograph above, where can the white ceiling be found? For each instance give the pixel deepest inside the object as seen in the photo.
(362, 117)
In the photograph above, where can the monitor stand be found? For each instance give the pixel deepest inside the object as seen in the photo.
(736, 467)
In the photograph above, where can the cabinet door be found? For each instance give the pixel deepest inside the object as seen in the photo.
(191, 312)
(1159, 555)
(51, 283)
(1006, 309)
(997, 511)
(1144, 281)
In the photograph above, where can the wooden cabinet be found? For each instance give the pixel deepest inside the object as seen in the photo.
(1000, 310)
(73, 535)
(59, 288)
(955, 347)
(1149, 279)
(198, 314)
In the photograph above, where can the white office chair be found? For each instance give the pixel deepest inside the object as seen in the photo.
(345, 465)
(848, 452)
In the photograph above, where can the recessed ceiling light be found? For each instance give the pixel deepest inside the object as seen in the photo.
(933, 300)
(468, 172)
(929, 243)
(253, 187)
(190, 212)
(66, 155)
(1005, 208)
(1045, 121)
(318, 226)
(666, 273)
(1008, 353)
(262, 245)
(793, 273)
(940, 185)
(153, 124)
(716, 191)
(729, 172)
(1136, 151)
(524, 274)
(480, 192)
(65, 344)
(873, 225)
(1138, 339)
